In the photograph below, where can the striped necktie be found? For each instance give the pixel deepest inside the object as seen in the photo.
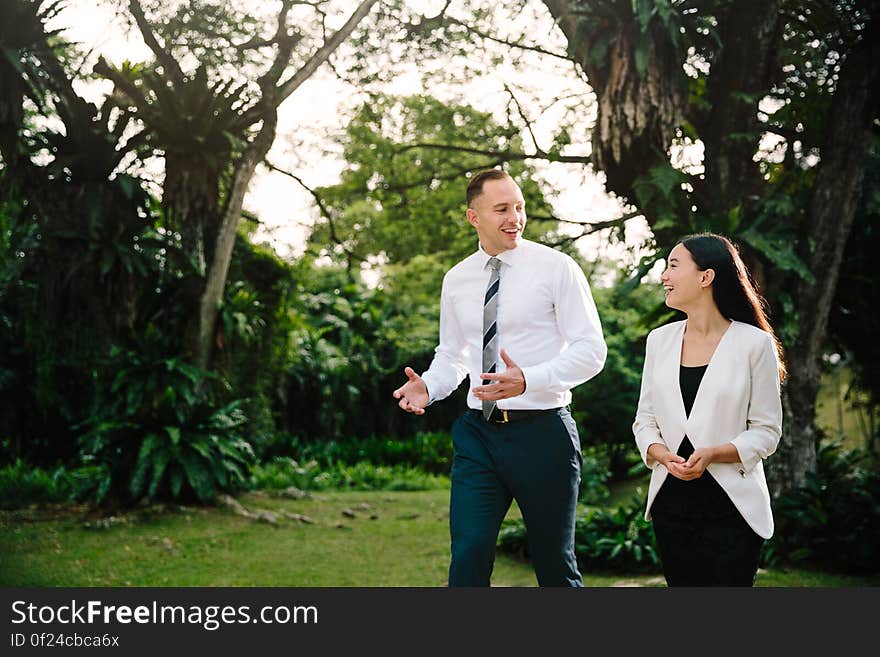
(490, 330)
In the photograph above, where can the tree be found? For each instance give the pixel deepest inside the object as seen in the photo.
(214, 127)
(854, 321)
(672, 73)
(80, 256)
(755, 50)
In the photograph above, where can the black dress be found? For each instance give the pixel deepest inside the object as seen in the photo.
(702, 538)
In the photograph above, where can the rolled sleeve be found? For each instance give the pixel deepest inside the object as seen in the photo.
(764, 423)
(645, 428)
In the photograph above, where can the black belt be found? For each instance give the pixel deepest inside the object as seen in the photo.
(500, 416)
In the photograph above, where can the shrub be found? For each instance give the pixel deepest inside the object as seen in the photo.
(595, 473)
(154, 432)
(832, 522)
(429, 452)
(619, 540)
(21, 484)
(282, 472)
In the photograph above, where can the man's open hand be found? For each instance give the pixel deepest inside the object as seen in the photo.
(509, 383)
(413, 394)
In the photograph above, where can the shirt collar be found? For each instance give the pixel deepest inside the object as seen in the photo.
(508, 257)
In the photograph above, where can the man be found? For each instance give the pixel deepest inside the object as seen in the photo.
(519, 318)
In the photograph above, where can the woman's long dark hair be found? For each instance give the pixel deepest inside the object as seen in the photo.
(732, 288)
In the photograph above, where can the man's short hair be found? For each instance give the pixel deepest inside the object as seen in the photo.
(475, 187)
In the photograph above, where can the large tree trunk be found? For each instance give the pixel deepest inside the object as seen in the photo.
(638, 113)
(222, 252)
(190, 198)
(742, 72)
(832, 209)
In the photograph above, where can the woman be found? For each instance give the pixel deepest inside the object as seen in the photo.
(709, 412)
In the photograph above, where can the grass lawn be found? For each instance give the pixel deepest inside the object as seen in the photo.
(393, 539)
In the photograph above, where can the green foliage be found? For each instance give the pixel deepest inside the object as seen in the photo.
(833, 522)
(619, 540)
(644, 27)
(281, 472)
(404, 195)
(21, 484)
(595, 474)
(605, 406)
(660, 189)
(429, 452)
(253, 335)
(854, 322)
(153, 433)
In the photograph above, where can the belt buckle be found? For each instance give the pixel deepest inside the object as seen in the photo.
(504, 419)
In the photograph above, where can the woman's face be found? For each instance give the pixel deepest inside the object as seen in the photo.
(681, 280)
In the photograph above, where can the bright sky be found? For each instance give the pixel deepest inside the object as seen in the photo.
(320, 105)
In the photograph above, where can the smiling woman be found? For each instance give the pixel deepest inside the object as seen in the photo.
(709, 413)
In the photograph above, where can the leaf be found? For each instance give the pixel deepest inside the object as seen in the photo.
(127, 185)
(103, 488)
(159, 465)
(173, 434)
(780, 252)
(197, 475)
(176, 481)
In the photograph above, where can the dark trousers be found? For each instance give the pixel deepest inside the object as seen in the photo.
(720, 551)
(537, 462)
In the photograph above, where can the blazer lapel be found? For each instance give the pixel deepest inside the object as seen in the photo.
(674, 369)
(669, 389)
(710, 378)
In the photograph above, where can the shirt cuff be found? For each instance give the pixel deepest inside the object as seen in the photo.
(428, 386)
(537, 377)
(749, 458)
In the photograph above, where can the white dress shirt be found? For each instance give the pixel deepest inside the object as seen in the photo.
(547, 323)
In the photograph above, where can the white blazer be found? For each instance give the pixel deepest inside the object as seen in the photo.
(738, 402)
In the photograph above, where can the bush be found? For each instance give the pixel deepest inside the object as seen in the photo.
(154, 433)
(282, 472)
(619, 540)
(429, 452)
(595, 473)
(833, 522)
(21, 485)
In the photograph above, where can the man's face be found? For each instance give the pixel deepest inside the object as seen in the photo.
(499, 215)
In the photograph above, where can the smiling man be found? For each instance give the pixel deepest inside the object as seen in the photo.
(519, 319)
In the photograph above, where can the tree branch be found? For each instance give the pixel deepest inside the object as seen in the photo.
(285, 48)
(523, 116)
(449, 176)
(589, 228)
(504, 156)
(323, 52)
(441, 18)
(165, 58)
(274, 96)
(325, 211)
